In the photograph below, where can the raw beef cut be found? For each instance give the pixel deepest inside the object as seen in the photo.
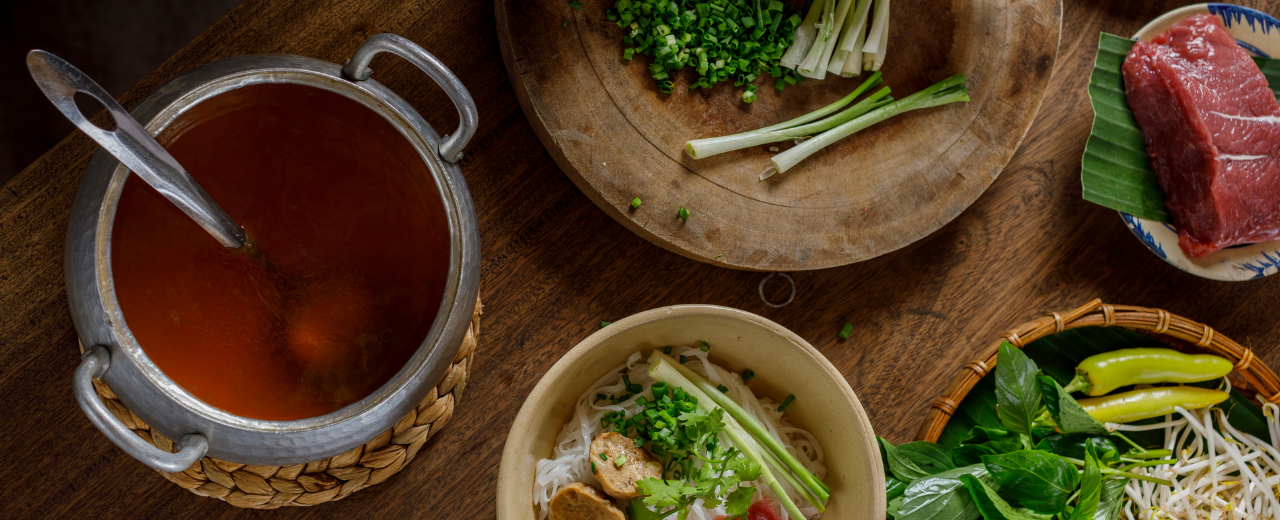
(1212, 127)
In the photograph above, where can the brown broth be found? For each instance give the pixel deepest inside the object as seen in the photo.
(344, 207)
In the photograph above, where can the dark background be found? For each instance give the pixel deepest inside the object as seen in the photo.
(115, 42)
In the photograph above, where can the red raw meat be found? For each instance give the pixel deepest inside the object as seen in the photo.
(1212, 127)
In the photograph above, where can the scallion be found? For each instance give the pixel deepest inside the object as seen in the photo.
(846, 331)
(950, 90)
(795, 128)
(786, 402)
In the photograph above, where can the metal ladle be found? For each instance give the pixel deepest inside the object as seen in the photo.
(135, 148)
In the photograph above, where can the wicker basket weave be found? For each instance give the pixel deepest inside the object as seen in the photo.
(1251, 373)
(269, 487)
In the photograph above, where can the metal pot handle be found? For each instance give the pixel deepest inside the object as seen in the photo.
(94, 363)
(357, 68)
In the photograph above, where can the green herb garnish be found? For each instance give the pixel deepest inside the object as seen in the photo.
(786, 402)
(635, 203)
(683, 214)
(723, 389)
(722, 40)
(747, 375)
(846, 330)
(576, 5)
(604, 324)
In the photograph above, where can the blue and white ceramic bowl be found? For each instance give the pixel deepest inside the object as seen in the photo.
(1258, 33)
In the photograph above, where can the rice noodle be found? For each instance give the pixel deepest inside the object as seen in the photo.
(1219, 472)
(571, 461)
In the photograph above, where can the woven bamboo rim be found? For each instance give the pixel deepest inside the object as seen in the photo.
(1251, 373)
(269, 487)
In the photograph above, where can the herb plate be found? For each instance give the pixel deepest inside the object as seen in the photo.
(604, 121)
(783, 363)
(1258, 33)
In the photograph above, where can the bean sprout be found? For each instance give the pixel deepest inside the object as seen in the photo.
(1219, 473)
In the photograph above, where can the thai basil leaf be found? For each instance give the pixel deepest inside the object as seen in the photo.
(928, 456)
(940, 497)
(992, 506)
(1113, 497)
(1070, 416)
(1073, 445)
(1037, 480)
(899, 465)
(999, 440)
(1017, 392)
(894, 488)
(966, 454)
(892, 510)
(1090, 488)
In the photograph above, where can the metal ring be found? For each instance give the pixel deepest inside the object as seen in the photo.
(789, 299)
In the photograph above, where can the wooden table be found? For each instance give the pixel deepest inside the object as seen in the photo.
(555, 266)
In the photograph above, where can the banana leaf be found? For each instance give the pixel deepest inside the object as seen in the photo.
(1057, 356)
(1115, 171)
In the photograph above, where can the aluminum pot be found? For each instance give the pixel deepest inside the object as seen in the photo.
(113, 354)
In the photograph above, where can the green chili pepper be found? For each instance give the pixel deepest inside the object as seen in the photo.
(1108, 371)
(1136, 405)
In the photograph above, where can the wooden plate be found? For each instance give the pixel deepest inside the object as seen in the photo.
(604, 122)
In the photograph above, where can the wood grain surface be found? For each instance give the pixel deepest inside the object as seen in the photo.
(607, 126)
(554, 266)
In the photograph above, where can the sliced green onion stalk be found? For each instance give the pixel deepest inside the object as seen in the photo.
(792, 129)
(815, 62)
(804, 36)
(778, 467)
(950, 90)
(878, 39)
(663, 368)
(849, 51)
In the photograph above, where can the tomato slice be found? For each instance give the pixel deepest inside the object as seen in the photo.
(763, 510)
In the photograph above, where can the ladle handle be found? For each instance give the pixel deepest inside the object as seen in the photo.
(131, 144)
(94, 363)
(357, 68)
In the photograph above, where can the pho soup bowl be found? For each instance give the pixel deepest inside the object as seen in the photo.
(783, 364)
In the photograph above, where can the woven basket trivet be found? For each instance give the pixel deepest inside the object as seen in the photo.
(269, 487)
(1251, 374)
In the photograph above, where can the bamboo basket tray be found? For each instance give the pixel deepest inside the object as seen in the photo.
(317, 482)
(1250, 375)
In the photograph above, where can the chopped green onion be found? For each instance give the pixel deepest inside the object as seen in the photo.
(600, 397)
(683, 214)
(622, 459)
(786, 402)
(575, 4)
(604, 324)
(593, 467)
(604, 458)
(683, 359)
(846, 330)
(564, 24)
(666, 350)
(704, 346)
(723, 389)
(635, 203)
(748, 375)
